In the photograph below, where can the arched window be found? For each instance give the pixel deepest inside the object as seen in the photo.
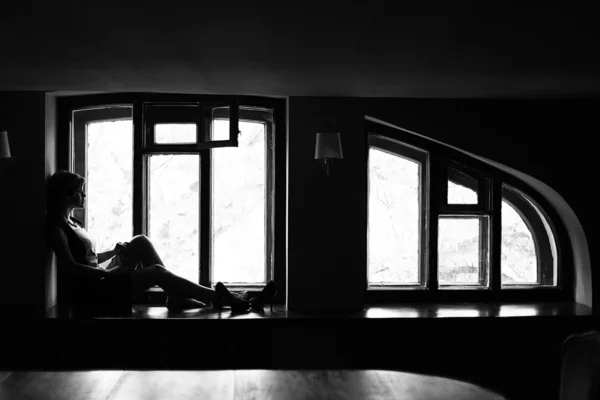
(529, 254)
(397, 175)
(452, 225)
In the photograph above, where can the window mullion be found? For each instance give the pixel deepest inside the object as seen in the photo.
(205, 204)
(139, 172)
(279, 176)
(496, 236)
(79, 160)
(269, 181)
(436, 196)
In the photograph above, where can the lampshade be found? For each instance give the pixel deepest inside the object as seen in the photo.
(328, 145)
(4, 148)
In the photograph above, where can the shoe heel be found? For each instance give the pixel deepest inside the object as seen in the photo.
(272, 300)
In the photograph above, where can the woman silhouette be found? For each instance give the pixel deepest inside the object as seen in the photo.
(136, 268)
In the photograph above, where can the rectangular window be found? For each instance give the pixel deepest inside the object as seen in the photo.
(463, 250)
(103, 154)
(204, 196)
(174, 133)
(173, 211)
(239, 174)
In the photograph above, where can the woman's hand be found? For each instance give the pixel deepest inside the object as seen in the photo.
(120, 247)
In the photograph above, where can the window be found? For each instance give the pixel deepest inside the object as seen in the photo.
(174, 211)
(463, 249)
(397, 175)
(453, 226)
(529, 253)
(462, 189)
(194, 174)
(102, 152)
(239, 205)
(464, 228)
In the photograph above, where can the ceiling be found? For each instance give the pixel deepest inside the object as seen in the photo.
(292, 48)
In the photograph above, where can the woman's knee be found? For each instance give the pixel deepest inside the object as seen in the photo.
(139, 242)
(139, 239)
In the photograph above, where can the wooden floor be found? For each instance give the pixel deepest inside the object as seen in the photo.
(235, 384)
(474, 343)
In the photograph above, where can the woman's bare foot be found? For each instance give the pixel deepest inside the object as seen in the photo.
(179, 303)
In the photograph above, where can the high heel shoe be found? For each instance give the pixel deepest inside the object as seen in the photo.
(267, 295)
(225, 297)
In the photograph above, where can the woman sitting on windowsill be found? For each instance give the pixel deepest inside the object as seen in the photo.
(139, 266)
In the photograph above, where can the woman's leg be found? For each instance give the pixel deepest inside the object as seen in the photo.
(145, 278)
(141, 249)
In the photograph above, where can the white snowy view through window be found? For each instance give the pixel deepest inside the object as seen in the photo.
(393, 220)
(239, 205)
(109, 182)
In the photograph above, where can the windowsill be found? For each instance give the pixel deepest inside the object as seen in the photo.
(234, 288)
(474, 287)
(380, 311)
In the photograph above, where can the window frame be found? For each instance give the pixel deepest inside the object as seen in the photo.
(441, 157)
(542, 242)
(482, 208)
(275, 221)
(404, 150)
(483, 189)
(85, 117)
(250, 114)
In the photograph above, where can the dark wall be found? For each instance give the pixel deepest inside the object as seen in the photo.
(50, 272)
(551, 140)
(22, 197)
(327, 215)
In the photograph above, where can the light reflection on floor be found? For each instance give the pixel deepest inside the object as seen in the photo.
(238, 384)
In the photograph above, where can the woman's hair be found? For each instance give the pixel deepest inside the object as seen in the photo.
(60, 185)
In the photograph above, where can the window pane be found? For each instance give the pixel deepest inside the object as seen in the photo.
(519, 261)
(174, 212)
(525, 233)
(459, 194)
(394, 219)
(220, 127)
(238, 206)
(109, 182)
(462, 189)
(463, 250)
(174, 133)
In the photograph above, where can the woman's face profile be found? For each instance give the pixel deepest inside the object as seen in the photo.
(77, 200)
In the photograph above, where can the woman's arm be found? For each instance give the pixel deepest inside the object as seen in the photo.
(107, 255)
(60, 245)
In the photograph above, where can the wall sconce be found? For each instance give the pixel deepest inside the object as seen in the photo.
(5, 158)
(328, 146)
